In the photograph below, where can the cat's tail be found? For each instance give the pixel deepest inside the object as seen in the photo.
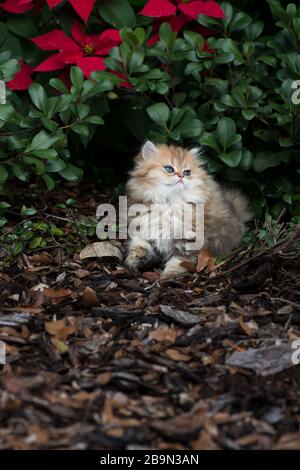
(239, 203)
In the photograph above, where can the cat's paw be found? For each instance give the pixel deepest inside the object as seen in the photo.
(136, 263)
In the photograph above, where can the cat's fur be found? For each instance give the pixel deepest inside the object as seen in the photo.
(225, 210)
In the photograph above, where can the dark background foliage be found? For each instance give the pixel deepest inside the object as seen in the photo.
(230, 92)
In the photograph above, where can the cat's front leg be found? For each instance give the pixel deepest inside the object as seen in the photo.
(140, 254)
(178, 265)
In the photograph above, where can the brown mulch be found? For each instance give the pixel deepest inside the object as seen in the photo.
(100, 359)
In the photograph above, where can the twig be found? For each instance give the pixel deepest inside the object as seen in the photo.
(285, 243)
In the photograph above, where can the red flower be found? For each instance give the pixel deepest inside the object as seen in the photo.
(82, 7)
(22, 79)
(86, 51)
(191, 8)
(17, 6)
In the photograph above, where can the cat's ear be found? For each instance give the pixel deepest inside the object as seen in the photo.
(198, 153)
(148, 150)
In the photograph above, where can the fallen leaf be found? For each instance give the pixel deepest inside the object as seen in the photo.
(177, 355)
(89, 297)
(151, 276)
(57, 293)
(81, 273)
(180, 316)
(205, 260)
(42, 258)
(264, 361)
(100, 250)
(163, 333)
(60, 330)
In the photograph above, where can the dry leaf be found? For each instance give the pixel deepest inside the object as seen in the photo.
(177, 355)
(163, 333)
(205, 261)
(59, 329)
(57, 293)
(101, 250)
(89, 297)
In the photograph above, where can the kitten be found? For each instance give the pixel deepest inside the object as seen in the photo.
(173, 176)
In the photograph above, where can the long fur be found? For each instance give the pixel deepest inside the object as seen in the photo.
(225, 210)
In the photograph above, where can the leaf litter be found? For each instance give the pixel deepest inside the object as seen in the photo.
(98, 358)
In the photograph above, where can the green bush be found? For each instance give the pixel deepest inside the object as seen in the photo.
(231, 93)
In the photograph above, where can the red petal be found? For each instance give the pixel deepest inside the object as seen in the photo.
(78, 33)
(158, 8)
(83, 8)
(106, 41)
(70, 56)
(17, 6)
(22, 79)
(55, 39)
(91, 64)
(153, 40)
(200, 7)
(178, 22)
(124, 83)
(53, 3)
(50, 64)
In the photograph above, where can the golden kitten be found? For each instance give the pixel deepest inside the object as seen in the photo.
(173, 177)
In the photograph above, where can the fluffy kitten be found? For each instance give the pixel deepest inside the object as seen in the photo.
(173, 176)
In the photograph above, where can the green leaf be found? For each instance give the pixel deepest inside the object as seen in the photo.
(209, 140)
(4, 205)
(228, 45)
(41, 141)
(47, 154)
(232, 159)
(225, 132)
(239, 22)
(58, 85)
(39, 165)
(28, 211)
(3, 32)
(81, 130)
(118, 13)
(38, 96)
(22, 25)
(6, 112)
(296, 26)
(248, 114)
(159, 113)
(264, 160)
(167, 36)
(36, 242)
(55, 166)
(50, 183)
(3, 174)
(77, 78)
(94, 120)
(71, 173)
(20, 171)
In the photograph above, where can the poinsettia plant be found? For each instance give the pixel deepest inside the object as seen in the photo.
(191, 72)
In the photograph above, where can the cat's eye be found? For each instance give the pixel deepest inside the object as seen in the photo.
(187, 173)
(169, 169)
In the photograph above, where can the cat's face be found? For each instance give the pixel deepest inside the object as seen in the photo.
(166, 172)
